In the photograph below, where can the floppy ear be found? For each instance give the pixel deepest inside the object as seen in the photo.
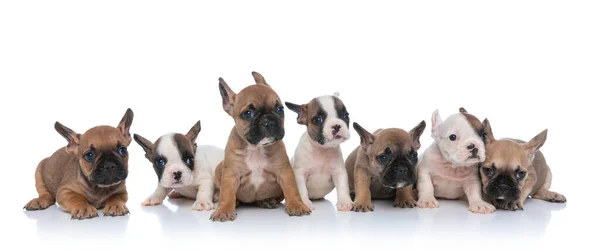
(146, 145)
(125, 124)
(436, 120)
(535, 144)
(70, 135)
(488, 135)
(416, 133)
(366, 138)
(259, 79)
(301, 110)
(227, 95)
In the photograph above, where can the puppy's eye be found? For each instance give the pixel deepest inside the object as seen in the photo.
(489, 172)
(383, 158)
(248, 114)
(414, 155)
(452, 137)
(189, 161)
(280, 110)
(521, 175)
(123, 151)
(347, 116)
(89, 156)
(161, 162)
(317, 120)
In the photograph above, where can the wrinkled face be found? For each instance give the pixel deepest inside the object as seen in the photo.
(504, 171)
(103, 156)
(394, 156)
(173, 160)
(458, 141)
(259, 115)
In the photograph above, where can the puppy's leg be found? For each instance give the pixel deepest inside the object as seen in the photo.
(45, 199)
(293, 203)
(301, 181)
(340, 179)
(228, 186)
(426, 192)
(76, 204)
(545, 194)
(476, 204)
(362, 183)
(115, 205)
(157, 197)
(404, 197)
(204, 196)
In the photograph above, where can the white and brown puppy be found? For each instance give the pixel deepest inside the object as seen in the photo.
(384, 166)
(256, 168)
(183, 168)
(514, 170)
(449, 167)
(318, 161)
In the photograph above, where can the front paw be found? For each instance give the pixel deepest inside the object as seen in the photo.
(481, 207)
(223, 215)
(115, 209)
(363, 207)
(152, 201)
(38, 204)
(309, 204)
(430, 202)
(84, 212)
(297, 208)
(203, 205)
(408, 203)
(344, 205)
(511, 205)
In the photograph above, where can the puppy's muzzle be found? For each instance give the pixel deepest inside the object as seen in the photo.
(474, 150)
(109, 171)
(266, 126)
(397, 176)
(503, 188)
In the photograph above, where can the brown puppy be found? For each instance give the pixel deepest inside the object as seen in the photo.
(256, 168)
(514, 170)
(383, 166)
(88, 174)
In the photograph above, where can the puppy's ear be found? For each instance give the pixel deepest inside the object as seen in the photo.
(535, 144)
(227, 95)
(436, 120)
(125, 124)
(70, 135)
(416, 133)
(462, 110)
(193, 134)
(146, 145)
(336, 94)
(301, 110)
(259, 79)
(366, 138)
(488, 135)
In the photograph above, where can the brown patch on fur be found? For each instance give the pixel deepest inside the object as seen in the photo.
(473, 120)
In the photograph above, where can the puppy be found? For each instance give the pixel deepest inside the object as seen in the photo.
(183, 168)
(256, 168)
(449, 166)
(514, 170)
(383, 166)
(88, 174)
(318, 162)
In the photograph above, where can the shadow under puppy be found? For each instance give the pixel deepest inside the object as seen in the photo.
(88, 174)
(256, 168)
(318, 161)
(183, 168)
(383, 166)
(514, 170)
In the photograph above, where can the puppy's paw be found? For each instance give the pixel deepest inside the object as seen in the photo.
(84, 212)
(115, 209)
(363, 207)
(203, 205)
(512, 205)
(174, 195)
(297, 208)
(38, 204)
(430, 202)
(402, 203)
(309, 204)
(152, 201)
(223, 215)
(481, 207)
(344, 205)
(556, 197)
(269, 203)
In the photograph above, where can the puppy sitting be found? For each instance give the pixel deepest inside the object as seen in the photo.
(183, 169)
(256, 168)
(514, 170)
(383, 166)
(449, 166)
(318, 162)
(88, 174)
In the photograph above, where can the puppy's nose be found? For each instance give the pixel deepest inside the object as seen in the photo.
(177, 175)
(503, 187)
(471, 146)
(268, 124)
(474, 151)
(336, 129)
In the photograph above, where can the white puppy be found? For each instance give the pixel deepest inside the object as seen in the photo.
(180, 171)
(449, 167)
(318, 162)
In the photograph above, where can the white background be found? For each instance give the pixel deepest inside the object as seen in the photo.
(525, 65)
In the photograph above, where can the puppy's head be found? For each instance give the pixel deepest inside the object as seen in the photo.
(172, 156)
(392, 153)
(326, 119)
(475, 123)
(257, 111)
(457, 139)
(101, 151)
(504, 171)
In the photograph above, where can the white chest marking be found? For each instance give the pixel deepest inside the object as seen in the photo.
(256, 161)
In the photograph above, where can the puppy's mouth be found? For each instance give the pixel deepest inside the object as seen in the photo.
(109, 185)
(266, 141)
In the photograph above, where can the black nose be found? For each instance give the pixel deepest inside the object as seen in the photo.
(471, 146)
(474, 151)
(336, 129)
(503, 187)
(268, 123)
(401, 170)
(177, 175)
